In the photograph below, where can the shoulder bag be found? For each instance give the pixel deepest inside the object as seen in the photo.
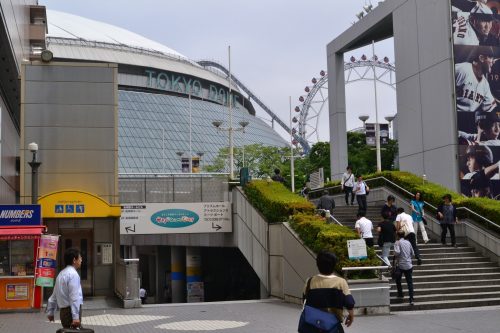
(367, 189)
(396, 272)
(404, 228)
(313, 320)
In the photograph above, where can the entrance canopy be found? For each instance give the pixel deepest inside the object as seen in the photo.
(76, 204)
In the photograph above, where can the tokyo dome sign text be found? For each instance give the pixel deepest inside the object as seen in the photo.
(186, 85)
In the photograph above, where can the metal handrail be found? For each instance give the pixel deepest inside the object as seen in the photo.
(330, 216)
(491, 223)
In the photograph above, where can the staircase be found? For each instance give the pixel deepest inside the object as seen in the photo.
(448, 277)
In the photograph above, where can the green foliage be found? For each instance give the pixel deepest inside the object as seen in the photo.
(260, 159)
(363, 158)
(318, 235)
(319, 157)
(275, 201)
(433, 194)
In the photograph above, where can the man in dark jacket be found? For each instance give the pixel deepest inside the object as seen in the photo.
(326, 202)
(389, 211)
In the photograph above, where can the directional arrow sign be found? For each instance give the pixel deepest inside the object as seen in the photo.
(130, 229)
(216, 226)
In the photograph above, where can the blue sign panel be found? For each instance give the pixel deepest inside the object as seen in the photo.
(20, 215)
(80, 209)
(46, 263)
(59, 209)
(70, 208)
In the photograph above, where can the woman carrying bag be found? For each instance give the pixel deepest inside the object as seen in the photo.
(325, 297)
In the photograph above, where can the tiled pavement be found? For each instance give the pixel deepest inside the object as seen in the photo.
(253, 316)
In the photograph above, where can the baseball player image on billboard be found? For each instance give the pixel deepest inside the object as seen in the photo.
(472, 66)
(479, 171)
(475, 29)
(483, 129)
(475, 6)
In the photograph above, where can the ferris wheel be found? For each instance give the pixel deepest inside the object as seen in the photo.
(305, 124)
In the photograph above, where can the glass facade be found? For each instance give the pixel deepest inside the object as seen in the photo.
(154, 128)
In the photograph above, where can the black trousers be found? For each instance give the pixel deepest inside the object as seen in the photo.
(369, 242)
(444, 228)
(67, 318)
(361, 198)
(412, 238)
(408, 273)
(348, 190)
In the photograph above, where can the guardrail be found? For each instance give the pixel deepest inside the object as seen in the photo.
(488, 222)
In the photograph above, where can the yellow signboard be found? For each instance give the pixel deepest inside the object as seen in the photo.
(76, 204)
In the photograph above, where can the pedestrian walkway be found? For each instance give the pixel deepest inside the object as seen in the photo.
(266, 316)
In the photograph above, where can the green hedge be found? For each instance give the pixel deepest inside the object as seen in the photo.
(318, 235)
(278, 204)
(275, 201)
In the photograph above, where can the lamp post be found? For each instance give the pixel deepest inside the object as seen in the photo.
(243, 124)
(389, 120)
(364, 118)
(377, 125)
(33, 147)
(218, 125)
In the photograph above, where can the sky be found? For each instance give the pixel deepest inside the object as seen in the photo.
(277, 46)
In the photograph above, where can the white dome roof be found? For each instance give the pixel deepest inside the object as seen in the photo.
(64, 25)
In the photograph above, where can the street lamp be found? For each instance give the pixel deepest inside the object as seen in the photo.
(389, 120)
(243, 124)
(33, 147)
(364, 118)
(230, 129)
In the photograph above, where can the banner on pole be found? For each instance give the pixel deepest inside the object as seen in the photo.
(46, 264)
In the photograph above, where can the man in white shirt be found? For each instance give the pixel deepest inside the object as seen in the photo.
(364, 228)
(348, 184)
(360, 189)
(404, 223)
(67, 295)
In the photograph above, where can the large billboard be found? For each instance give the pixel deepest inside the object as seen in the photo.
(476, 46)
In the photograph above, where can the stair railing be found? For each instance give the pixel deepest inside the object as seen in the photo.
(410, 194)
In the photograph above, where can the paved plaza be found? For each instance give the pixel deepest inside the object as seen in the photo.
(271, 316)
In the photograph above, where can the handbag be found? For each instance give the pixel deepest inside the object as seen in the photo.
(313, 320)
(367, 189)
(424, 220)
(404, 228)
(395, 270)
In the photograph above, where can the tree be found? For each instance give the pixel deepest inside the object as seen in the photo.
(261, 160)
(363, 158)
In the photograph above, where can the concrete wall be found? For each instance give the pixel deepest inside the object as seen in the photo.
(425, 85)
(283, 262)
(70, 110)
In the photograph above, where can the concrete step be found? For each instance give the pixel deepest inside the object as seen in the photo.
(449, 260)
(449, 254)
(457, 277)
(459, 270)
(440, 249)
(449, 290)
(446, 297)
(444, 304)
(417, 285)
(477, 264)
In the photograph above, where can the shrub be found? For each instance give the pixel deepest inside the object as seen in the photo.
(317, 235)
(275, 201)
(433, 194)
